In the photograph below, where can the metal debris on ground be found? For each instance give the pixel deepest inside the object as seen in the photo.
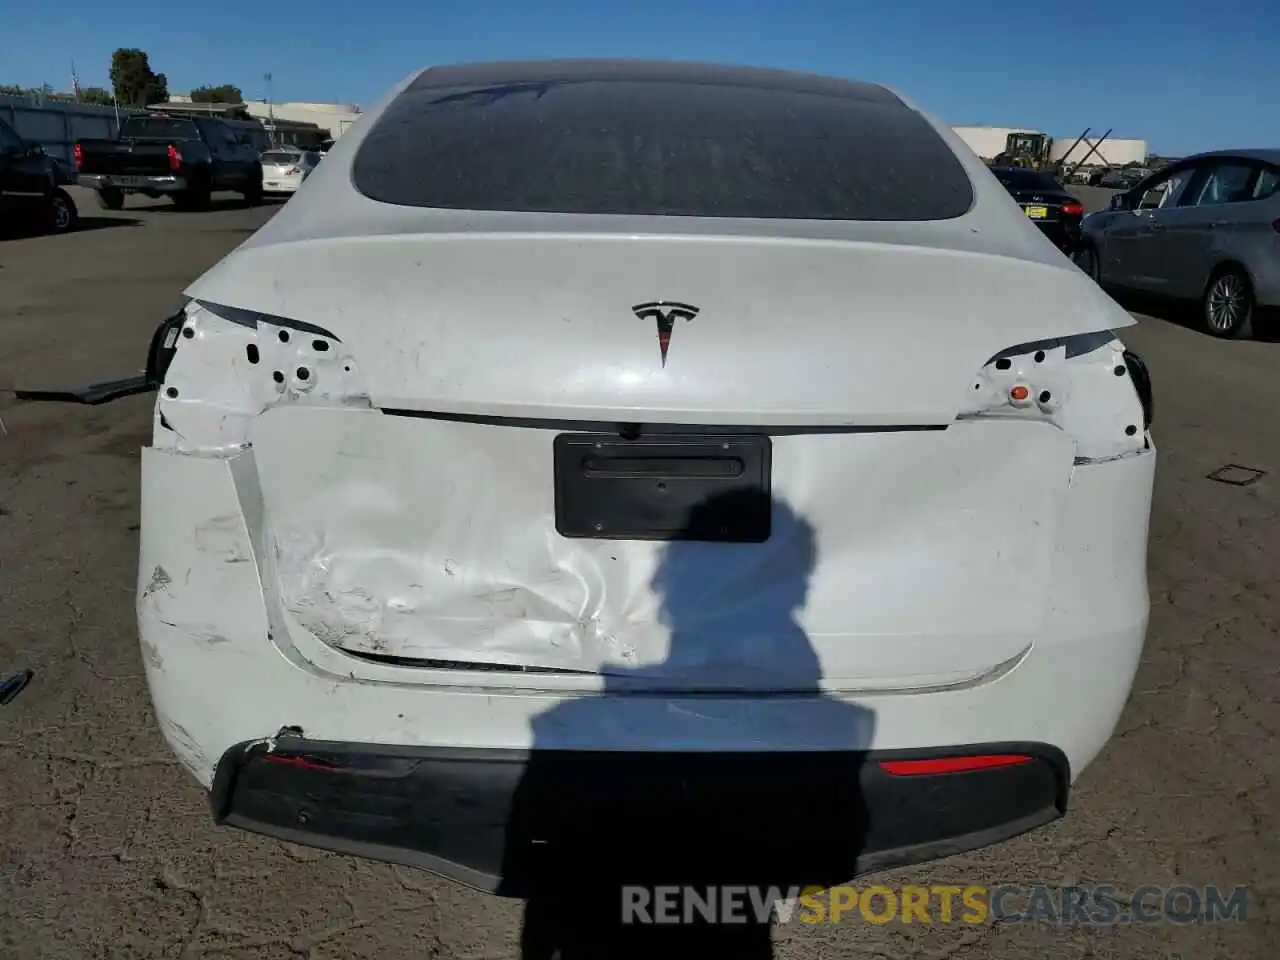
(1237, 475)
(13, 685)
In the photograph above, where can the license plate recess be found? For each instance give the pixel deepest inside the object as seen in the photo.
(663, 487)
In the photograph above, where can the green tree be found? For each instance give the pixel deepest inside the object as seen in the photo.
(223, 93)
(133, 80)
(95, 95)
(38, 94)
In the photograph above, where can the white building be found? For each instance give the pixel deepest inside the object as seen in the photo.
(1112, 152)
(989, 142)
(337, 118)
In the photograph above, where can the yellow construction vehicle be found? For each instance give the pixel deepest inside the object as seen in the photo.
(1030, 150)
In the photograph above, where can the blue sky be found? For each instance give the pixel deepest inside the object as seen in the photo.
(1184, 76)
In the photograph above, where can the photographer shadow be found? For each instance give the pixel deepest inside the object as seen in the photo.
(740, 801)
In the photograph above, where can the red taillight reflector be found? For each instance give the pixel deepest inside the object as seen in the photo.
(916, 768)
(79, 155)
(306, 763)
(1073, 209)
(175, 159)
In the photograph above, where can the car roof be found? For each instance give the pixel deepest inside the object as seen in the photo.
(654, 71)
(1265, 154)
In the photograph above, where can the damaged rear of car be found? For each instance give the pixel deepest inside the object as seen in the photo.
(681, 422)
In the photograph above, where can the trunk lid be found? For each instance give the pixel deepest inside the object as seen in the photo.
(124, 157)
(1041, 205)
(908, 549)
(763, 331)
(277, 165)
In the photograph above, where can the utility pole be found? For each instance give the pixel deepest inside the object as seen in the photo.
(271, 114)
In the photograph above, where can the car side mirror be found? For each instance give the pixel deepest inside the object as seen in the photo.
(1119, 201)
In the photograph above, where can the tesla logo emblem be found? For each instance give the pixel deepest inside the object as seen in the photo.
(665, 313)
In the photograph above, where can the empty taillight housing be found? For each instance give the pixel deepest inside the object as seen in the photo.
(175, 158)
(79, 156)
(1088, 385)
(1073, 209)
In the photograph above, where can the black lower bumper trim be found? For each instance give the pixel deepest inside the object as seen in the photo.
(514, 822)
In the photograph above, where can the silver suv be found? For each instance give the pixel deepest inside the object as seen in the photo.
(1206, 228)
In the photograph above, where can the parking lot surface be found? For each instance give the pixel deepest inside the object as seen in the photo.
(107, 849)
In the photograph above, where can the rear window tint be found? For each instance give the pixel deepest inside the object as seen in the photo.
(158, 128)
(660, 147)
(1028, 180)
(278, 157)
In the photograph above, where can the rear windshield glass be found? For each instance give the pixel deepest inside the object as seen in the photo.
(158, 128)
(664, 148)
(1027, 180)
(280, 157)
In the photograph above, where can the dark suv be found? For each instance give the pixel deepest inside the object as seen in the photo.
(31, 191)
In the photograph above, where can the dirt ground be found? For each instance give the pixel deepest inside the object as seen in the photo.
(107, 849)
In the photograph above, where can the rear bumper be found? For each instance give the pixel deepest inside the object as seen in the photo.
(1066, 236)
(281, 184)
(223, 673)
(515, 822)
(133, 184)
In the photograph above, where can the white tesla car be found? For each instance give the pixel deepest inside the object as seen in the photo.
(593, 443)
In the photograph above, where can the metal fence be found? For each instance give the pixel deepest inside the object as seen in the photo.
(56, 126)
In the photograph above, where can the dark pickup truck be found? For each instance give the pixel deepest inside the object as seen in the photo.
(180, 157)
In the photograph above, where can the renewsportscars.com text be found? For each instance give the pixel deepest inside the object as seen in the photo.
(972, 904)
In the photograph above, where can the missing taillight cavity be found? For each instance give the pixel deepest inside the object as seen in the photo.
(1142, 383)
(209, 417)
(1077, 384)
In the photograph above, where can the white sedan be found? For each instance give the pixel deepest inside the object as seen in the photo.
(284, 169)
(597, 450)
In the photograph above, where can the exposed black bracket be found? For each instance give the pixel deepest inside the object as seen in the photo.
(160, 352)
(93, 394)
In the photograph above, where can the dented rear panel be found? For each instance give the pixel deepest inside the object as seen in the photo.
(908, 557)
